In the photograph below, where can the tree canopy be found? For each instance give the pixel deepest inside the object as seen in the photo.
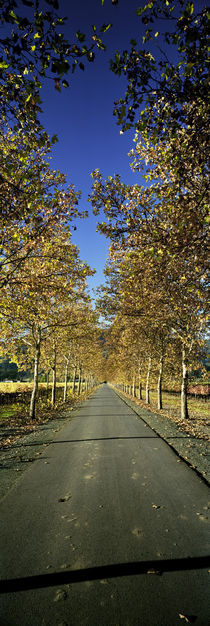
(157, 271)
(33, 48)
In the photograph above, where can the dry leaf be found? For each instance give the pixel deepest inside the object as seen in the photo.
(60, 595)
(154, 571)
(190, 619)
(67, 497)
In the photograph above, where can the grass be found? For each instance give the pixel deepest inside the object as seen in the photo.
(197, 423)
(196, 406)
(20, 387)
(7, 411)
(14, 418)
(19, 410)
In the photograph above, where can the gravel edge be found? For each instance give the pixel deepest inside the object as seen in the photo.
(193, 451)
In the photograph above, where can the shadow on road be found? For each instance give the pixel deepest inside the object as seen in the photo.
(52, 442)
(103, 572)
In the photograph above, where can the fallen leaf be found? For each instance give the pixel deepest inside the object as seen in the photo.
(154, 571)
(60, 595)
(190, 619)
(137, 532)
(67, 497)
(156, 506)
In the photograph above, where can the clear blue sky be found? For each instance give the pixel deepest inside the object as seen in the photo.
(82, 116)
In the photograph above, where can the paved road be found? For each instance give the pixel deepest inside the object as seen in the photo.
(104, 527)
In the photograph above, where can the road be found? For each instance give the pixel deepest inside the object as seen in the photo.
(107, 527)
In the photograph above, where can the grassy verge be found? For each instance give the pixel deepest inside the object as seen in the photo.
(198, 423)
(198, 408)
(15, 423)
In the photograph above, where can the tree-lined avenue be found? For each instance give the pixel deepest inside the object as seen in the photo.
(107, 492)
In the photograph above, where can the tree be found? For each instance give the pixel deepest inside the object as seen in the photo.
(167, 77)
(34, 201)
(34, 304)
(33, 49)
(161, 293)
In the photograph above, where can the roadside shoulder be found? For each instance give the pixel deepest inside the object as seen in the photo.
(19, 455)
(193, 450)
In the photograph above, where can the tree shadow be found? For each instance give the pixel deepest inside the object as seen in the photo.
(117, 570)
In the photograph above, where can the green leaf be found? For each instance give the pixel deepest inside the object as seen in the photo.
(4, 65)
(54, 139)
(189, 8)
(80, 36)
(12, 14)
(105, 27)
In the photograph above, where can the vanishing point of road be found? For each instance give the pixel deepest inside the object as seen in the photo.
(106, 527)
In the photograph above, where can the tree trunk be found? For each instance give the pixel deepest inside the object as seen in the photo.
(148, 380)
(47, 381)
(134, 387)
(65, 382)
(54, 375)
(184, 408)
(32, 413)
(159, 385)
(79, 381)
(140, 384)
(74, 379)
(66, 377)
(140, 388)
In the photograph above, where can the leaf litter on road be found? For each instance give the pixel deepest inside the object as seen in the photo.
(154, 571)
(61, 594)
(65, 498)
(190, 619)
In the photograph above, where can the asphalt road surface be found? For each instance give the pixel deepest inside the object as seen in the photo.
(107, 527)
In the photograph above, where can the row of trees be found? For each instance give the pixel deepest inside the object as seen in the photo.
(46, 317)
(156, 287)
(157, 270)
(43, 280)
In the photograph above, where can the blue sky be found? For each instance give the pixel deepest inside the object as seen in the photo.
(82, 116)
